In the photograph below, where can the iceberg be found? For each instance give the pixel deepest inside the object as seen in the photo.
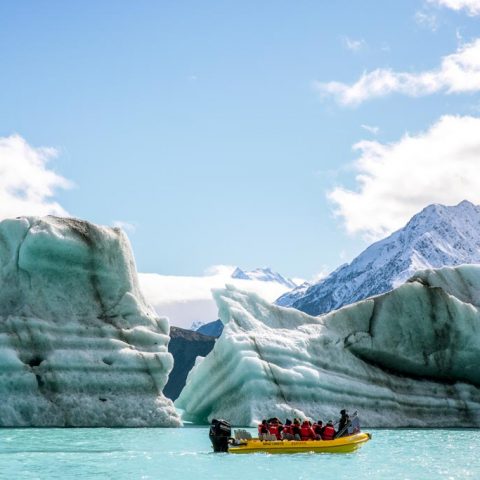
(79, 346)
(408, 357)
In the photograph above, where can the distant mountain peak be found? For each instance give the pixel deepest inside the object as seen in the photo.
(265, 274)
(437, 236)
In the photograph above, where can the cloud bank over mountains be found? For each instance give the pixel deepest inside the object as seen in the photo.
(186, 300)
(398, 179)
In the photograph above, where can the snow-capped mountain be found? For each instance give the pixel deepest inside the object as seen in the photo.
(437, 236)
(245, 279)
(263, 275)
(187, 300)
(292, 296)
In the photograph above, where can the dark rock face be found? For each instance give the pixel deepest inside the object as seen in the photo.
(212, 329)
(185, 346)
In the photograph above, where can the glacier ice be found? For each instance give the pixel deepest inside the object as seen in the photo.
(78, 344)
(408, 357)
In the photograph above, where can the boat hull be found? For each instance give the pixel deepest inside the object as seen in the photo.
(340, 445)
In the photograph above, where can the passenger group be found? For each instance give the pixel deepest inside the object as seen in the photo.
(305, 430)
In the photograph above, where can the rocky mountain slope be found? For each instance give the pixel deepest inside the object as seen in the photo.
(184, 346)
(437, 236)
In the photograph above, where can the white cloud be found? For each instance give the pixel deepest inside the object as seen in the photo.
(458, 73)
(225, 270)
(323, 273)
(397, 180)
(471, 6)
(426, 20)
(371, 129)
(353, 45)
(27, 186)
(186, 300)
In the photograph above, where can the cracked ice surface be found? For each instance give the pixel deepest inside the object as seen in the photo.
(409, 357)
(78, 344)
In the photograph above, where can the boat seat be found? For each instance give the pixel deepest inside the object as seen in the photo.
(242, 435)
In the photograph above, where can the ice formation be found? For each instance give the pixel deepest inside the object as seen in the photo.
(405, 358)
(78, 344)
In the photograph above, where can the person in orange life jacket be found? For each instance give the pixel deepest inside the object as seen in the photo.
(342, 423)
(296, 429)
(287, 432)
(306, 431)
(329, 431)
(318, 429)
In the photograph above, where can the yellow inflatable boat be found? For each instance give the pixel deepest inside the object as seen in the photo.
(220, 436)
(346, 444)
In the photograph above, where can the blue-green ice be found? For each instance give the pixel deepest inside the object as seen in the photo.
(121, 454)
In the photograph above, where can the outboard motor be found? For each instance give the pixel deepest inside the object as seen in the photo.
(220, 433)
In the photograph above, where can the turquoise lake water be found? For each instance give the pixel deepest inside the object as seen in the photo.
(185, 453)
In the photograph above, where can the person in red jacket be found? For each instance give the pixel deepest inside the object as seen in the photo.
(274, 429)
(306, 431)
(287, 432)
(318, 429)
(296, 429)
(262, 429)
(329, 431)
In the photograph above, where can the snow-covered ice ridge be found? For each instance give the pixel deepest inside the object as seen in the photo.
(405, 358)
(437, 236)
(78, 344)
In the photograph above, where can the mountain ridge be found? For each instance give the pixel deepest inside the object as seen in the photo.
(437, 236)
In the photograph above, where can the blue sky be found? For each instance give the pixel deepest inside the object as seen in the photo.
(209, 128)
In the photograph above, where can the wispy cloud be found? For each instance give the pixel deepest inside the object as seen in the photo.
(457, 73)
(371, 129)
(472, 7)
(427, 20)
(353, 44)
(27, 185)
(396, 180)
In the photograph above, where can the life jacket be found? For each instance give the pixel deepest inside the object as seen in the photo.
(262, 429)
(328, 433)
(273, 429)
(287, 430)
(317, 428)
(306, 432)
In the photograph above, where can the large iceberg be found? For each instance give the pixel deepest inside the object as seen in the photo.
(409, 357)
(78, 344)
